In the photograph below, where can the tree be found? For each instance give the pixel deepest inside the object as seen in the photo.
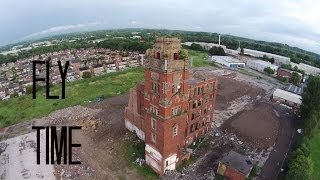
(269, 70)
(300, 168)
(196, 47)
(86, 75)
(183, 54)
(271, 60)
(295, 78)
(217, 51)
(241, 51)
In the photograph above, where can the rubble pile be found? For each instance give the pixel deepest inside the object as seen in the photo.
(76, 115)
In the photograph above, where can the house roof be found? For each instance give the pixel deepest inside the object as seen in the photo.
(238, 161)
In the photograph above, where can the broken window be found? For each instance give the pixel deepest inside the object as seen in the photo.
(175, 88)
(158, 55)
(153, 137)
(193, 116)
(153, 123)
(175, 130)
(199, 90)
(194, 105)
(199, 102)
(176, 111)
(192, 128)
(175, 56)
(155, 87)
(154, 110)
(205, 111)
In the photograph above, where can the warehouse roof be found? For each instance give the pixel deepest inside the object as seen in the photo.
(227, 59)
(295, 89)
(279, 93)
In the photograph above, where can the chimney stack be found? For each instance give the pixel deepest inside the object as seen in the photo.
(219, 39)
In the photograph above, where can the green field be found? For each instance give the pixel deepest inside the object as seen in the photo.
(199, 59)
(315, 154)
(80, 92)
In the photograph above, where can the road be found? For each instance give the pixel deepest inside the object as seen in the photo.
(287, 130)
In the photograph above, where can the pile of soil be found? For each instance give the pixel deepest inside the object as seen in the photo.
(230, 89)
(257, 127)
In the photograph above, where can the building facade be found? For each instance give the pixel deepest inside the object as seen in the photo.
(260, 65)
(172, 107)
(278, 60)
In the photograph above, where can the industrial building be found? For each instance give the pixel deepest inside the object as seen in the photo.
(260, 65)
(228, 61)
(235, 166)
(171, 108)
(309, 70)
(287, 98)
(206, 46)
(278, 60)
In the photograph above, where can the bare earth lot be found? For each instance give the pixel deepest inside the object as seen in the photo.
(245, 120)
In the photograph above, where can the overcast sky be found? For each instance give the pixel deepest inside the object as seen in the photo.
(295, 22)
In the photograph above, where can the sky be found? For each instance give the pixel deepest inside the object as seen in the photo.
(294, 22)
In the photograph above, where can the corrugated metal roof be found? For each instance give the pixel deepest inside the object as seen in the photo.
(279, 93)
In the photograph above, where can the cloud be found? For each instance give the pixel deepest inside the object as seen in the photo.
(294, 22)
(58, 29)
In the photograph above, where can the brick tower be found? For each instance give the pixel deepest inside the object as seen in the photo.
(166, 101)
(170, 110)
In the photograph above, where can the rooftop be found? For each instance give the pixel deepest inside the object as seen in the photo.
(287, 96)
(227, 59)
(295, 89)
(261, 52)
(238, 161)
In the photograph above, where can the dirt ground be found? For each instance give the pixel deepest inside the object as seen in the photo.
(102, 138)
(258, 126)
(245, 120)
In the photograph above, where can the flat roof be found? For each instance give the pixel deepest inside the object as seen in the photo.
(264, 63)
(227, 59)
(261, 52)
(295, 89)
(286, 95)
(238, 161)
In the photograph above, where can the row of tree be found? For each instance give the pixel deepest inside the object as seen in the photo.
(125, 44)
(214, 51)
(301, 164)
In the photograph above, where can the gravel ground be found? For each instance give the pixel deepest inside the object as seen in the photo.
(18, 160)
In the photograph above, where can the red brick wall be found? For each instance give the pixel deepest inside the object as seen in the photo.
(234, 174)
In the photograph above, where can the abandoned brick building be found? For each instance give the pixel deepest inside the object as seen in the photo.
(172, 107)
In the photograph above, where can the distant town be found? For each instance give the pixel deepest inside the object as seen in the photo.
(17, 76)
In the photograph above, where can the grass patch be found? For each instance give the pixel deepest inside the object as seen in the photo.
(315, 154)
(79, 92)
(199, 58)
(249, 73)
(186, 163)
(254, 171)
(133, 150)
